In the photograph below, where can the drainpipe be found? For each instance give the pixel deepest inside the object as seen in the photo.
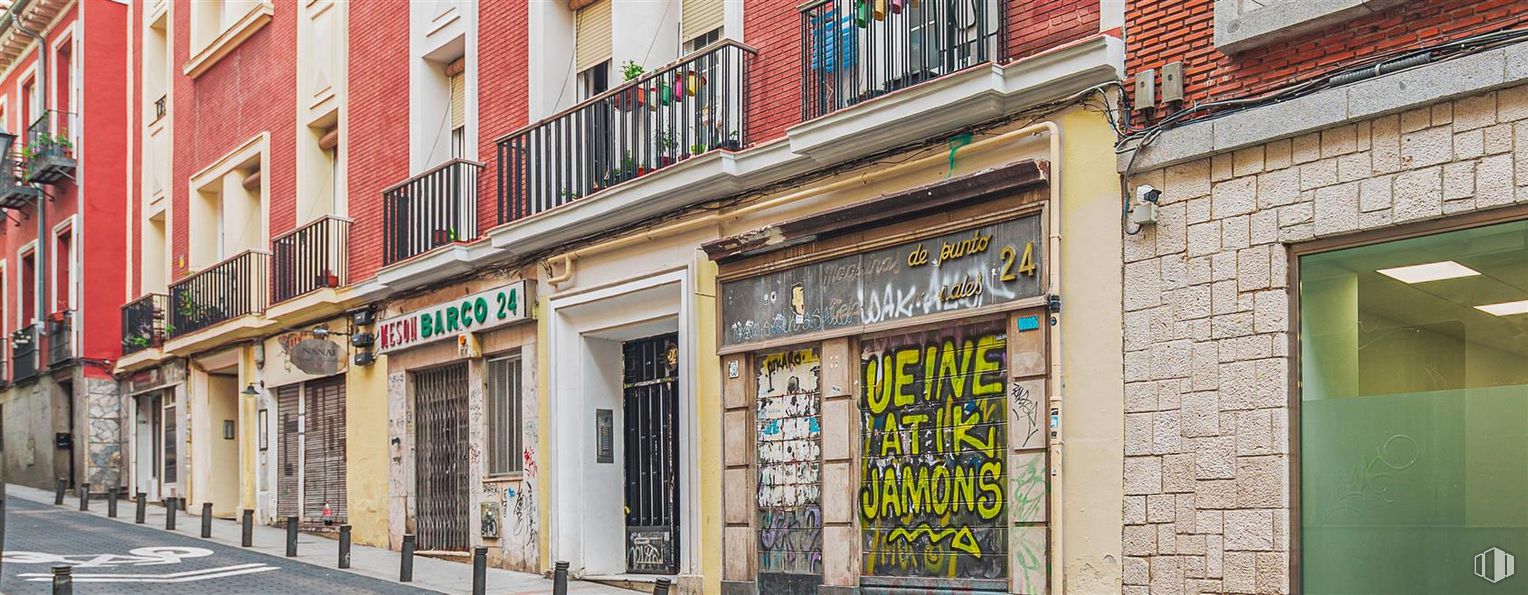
(40, 277)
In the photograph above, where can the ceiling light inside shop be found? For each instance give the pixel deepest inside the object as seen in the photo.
(1505, 308)
(1432, 271)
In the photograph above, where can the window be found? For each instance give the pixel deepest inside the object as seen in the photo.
(504, 416)
(63, 258)
(28, 288)
(457, 87)
(703, 40)
(1413, 407)
(64, 90)
(594, 80)
(592, 37)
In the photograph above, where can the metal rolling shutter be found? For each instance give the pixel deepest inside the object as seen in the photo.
(324, 450)
(698, 17)
(591, 37)
(440, 458)
(288, 451)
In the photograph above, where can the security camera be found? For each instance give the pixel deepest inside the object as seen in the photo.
(1145, 213)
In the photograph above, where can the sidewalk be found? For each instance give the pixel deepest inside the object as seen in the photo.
(429, 573)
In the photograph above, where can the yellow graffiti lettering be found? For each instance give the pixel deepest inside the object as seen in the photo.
(877, 386)
(905, 358)
(989, 481)
(914, 423)
(964, 540)
(889, 499)
(890, 439)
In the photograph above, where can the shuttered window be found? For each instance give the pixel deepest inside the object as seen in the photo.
(288, 450)
(504, 416)
(591, 37)
(458, 101)
(699, 17)
(323, 467)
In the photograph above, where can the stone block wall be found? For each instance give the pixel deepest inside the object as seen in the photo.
(1207, 323)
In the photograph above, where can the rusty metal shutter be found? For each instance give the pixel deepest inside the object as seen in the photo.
(323, 480)
(591, 36)
(934, 406)
(698, 17)
(288, 451)
(440, 458)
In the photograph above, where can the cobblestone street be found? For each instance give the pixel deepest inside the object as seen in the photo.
(114, 557)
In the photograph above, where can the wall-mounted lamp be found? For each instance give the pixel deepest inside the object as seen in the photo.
(250, 391)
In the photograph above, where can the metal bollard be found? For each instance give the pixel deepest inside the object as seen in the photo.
(560, 578)
(111, 503)
(291, 527)
(479, 570)
(58, 491)
(63, 580)
(344, 546)
(247, 535)
(84, 496)
(661, 587)
(406, 563)
(206, 520)
(142, 505)
(169, 513)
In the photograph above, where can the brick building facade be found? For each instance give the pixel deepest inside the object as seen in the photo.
(1236, 478)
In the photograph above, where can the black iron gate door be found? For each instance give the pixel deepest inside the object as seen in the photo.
(652, 454)
(440, 458)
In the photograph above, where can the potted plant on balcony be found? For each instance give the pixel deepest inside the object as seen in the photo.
(732, 143)
(326, 278)
(443, 236)
(49, 158)
(666, 146)
(57, 317)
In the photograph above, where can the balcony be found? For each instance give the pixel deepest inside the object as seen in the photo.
(60, 338)
(48, 157)
(14, 193)
(853, 50)
(229, 289)
(24, 354)
(310, 258)
(658, 120)
(143, 323)
(435, 208)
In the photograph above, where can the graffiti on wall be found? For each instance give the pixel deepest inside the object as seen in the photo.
(789, 431)
(992, 264)
(933, 501)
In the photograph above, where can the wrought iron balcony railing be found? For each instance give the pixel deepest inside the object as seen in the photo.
(226, 290)
(24, 353)
(695, 105)
(60, 338)
(855, 50)
(15, 193)
(309, 258)
(143, 322)
(159, 106)
(48, 155)
(435, 208)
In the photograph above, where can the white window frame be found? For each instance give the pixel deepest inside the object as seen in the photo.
(67, 225)
(29, 248)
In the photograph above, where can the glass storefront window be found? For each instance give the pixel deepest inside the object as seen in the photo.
(1414, 414)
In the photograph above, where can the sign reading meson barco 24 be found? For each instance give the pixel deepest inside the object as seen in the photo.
(962, 270)
(477, 312)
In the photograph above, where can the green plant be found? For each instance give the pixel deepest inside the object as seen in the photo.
(698, 148)
(667, 142)
(45, 143)
(631, 70)
(169, 329)
(138, 341)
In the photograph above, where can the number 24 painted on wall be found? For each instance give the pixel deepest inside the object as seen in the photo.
(1026, 264)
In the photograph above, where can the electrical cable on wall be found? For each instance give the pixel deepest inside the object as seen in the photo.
(1138, 140)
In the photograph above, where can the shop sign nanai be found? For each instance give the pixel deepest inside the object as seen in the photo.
(992, 264)
(474, 313)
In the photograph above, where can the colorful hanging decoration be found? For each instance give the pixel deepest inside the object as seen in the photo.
(861, 13)
(880, 10)
(896, 6)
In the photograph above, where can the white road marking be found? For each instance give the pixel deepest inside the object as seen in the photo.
(177, 577)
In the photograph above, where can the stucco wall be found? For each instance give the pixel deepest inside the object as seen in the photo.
(1207, 325)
